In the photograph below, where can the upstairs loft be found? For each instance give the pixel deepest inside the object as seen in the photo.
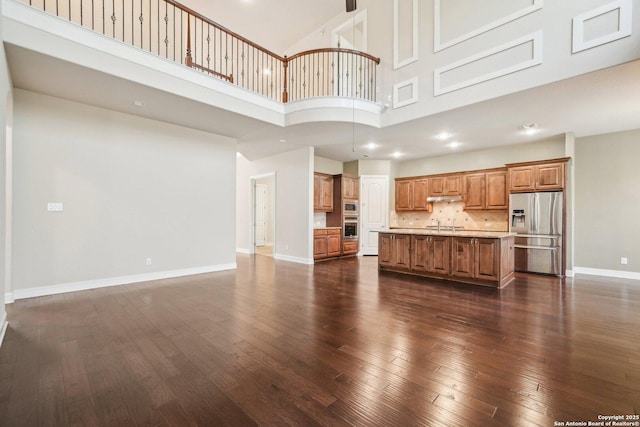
(320, 79)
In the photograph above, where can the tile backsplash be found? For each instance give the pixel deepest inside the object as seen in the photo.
(447, 212)
(319, 219)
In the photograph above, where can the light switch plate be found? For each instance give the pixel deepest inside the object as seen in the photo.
(55, 207)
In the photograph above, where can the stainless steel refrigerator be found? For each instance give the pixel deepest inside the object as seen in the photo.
(536, 218)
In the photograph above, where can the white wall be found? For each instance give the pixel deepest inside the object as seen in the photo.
(132, 189)
(607, 204)
(554, 20)
(329, 166)
(294, 203)
(5, 120)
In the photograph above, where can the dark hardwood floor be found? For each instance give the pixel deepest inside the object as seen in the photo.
(276, 343)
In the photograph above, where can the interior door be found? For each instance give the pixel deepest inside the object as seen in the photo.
(261, 214)
(374, 211)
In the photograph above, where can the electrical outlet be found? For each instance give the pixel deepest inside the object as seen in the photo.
(624, 260)
(55, 207)
(149, 261)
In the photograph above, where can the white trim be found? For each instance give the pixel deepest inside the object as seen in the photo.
(295, 259)
(243, 251)
(360, 17)
(624, 25)
(438, 46)
(117, 281)
(8, 298)
(3, 327)
(396, 40)
(608, 273)
(536, 38)
(396, 91)
(570, 273)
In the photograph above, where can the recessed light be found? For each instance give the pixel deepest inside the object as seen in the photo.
(371, 145)
(396, 154)
(529, 129)
(283, 140)
(137, 103)
(454, 144)
(443, 136)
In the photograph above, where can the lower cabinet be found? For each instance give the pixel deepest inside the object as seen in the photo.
(430, 254)
(350, 247)
(483, 261)
(394, 250)
(326, 243)
(476, 258)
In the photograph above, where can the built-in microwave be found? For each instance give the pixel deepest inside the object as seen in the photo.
(350, 207)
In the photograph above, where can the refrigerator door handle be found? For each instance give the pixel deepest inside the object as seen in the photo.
(545, 248)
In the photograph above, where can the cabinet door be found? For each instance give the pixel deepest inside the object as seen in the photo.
(317, 189)
(462, 256)
(420, 253)
(327, 194)
(497, 196)
(350, 188)
(404, 193)
(333, 245)
(474, 191)
(453, 185)
(437, 186)
(320, 247)
(522, 178)
(550, 177)
(420, 194)
(385, 250)
(402, 243)
(487, 252)
(350, 247)
(439, 255)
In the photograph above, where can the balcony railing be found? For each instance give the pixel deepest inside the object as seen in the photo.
(172, 31)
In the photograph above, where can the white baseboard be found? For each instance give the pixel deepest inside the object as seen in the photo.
(570, 273)
(243, 251)
(3, 327)
(608, 273)
(116, 281)
(289, 258)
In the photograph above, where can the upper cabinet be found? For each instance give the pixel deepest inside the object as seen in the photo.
(486, 190)
(350, 188)
(445, 185)
(411, 194)
(322, 192)
(537, 176)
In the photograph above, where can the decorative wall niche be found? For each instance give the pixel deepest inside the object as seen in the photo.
(516, 55)
(405, 93)
(604, 24)
(405, 32)
(473, 18)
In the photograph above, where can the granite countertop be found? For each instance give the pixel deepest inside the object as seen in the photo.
(449, 232)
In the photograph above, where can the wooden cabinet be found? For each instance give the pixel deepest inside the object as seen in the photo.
(486, 191)
(537, 176)
(322, 192)
(487, 261)
(445, 185)
(394, 250)
(476, 258)
(350, 247)
(430, 254)
(350, 188)
(411, 195)
(326, 243)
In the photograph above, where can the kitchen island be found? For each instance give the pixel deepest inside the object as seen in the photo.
(476, 257)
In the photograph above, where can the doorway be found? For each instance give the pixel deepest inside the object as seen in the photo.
(263, 214)
(374, 211)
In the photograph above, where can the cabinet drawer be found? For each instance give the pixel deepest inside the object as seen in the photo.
(320, 232)
(333, 231)
(349, 247)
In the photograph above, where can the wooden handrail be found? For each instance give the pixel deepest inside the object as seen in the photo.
(334, 49)
(228, 78)
(221, 28)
